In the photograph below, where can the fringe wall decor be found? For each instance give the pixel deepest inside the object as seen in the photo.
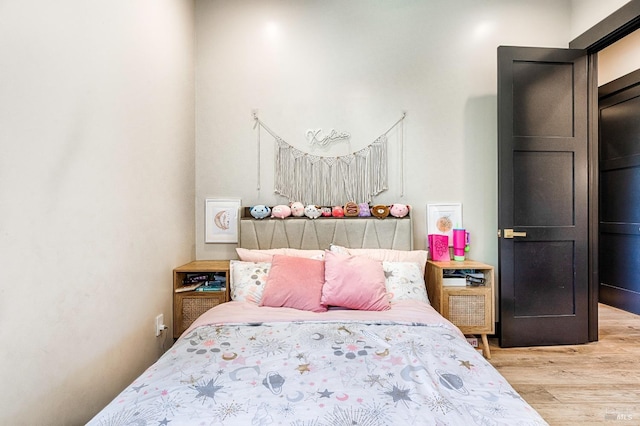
(329, 181)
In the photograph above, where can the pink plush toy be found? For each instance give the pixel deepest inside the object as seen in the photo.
(297, 209)
(337, 211)
(281, 211)
(399, 210)
(326, 211)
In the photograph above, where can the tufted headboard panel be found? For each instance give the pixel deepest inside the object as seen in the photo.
(319, 234)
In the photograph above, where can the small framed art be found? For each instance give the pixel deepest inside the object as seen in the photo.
(442, 218)
(221, 220)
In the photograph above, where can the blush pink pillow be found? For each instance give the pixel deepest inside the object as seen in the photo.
(354, 282)
(294, 282)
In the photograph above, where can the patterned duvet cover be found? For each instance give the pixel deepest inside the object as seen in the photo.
(245, 365)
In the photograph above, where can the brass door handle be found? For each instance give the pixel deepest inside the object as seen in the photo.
(510, 233)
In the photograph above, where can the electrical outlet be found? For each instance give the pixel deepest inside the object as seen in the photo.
(159, 324)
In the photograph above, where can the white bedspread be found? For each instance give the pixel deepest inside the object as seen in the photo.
(240, 364)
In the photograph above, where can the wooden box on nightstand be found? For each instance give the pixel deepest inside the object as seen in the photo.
(189, 305)
(471, 309)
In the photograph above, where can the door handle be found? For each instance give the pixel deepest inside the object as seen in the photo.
(510, 233)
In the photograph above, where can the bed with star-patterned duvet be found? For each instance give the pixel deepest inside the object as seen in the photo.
(241, 364)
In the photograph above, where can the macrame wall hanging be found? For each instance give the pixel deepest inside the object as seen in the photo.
(328, 181)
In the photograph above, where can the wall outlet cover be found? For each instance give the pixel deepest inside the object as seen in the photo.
(159, 324)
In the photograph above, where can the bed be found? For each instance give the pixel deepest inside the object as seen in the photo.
(337, 336)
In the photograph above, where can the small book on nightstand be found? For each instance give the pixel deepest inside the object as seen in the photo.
(454, 281)
(454, 278)
(195, 278)
(215, 285)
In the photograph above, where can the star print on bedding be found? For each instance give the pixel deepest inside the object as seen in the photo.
(321, 373)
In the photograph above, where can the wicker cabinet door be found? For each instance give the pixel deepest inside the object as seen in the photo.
(469, 309)
(190, 307)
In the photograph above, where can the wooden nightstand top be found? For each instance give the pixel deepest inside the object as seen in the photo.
(465, 264)
(204, 266)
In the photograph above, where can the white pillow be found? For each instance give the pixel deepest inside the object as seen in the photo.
(404, 281)
(248, 280)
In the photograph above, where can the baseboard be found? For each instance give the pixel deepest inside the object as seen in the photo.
(620, 298)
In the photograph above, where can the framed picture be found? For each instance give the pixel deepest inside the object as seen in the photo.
(442, 218)
(221, 220)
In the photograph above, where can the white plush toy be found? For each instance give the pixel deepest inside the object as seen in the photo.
(312, 212)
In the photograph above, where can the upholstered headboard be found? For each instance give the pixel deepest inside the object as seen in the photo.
(313, 234)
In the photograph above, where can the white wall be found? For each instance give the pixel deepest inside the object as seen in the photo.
(587, 13)
(96, 193)
(355, 66)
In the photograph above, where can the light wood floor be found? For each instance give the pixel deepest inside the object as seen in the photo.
(593, 384)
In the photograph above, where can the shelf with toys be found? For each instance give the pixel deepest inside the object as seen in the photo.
(297, 210)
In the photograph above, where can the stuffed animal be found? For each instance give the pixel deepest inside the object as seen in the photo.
(326, 211)
(297, 209)
(281, 211)
(260, 211)
(312, 212)
(399, 210)
(337, 211)
(351, 209)
(364, 210)
(380, 211)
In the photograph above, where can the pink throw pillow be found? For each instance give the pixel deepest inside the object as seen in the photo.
(354, 282)
(294, 282)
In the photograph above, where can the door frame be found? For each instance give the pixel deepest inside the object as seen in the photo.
(619, 24)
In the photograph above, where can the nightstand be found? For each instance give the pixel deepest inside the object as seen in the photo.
(189, 305)
(470, 308)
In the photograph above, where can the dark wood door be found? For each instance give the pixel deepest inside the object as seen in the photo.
(619, 240)
(543, 194)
